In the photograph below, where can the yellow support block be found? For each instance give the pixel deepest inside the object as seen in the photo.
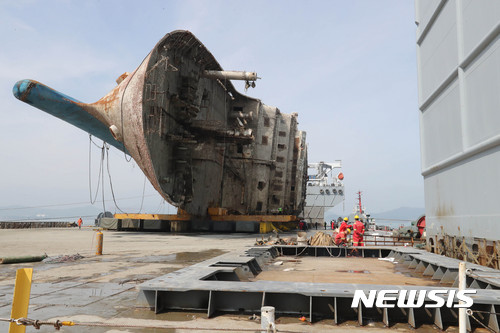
(213, 211)
(274, 228)
(265, 227)
(21, 299)
(256, 218)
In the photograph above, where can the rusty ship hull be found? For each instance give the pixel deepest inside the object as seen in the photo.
(199, 142)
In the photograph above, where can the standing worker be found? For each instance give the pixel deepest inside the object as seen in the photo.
(80, 223)
(359, 231)
(344, 225)
(325, 225)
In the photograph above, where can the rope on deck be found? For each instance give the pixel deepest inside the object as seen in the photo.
(58, 324)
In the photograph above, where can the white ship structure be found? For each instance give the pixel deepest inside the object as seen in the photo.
(324, 190)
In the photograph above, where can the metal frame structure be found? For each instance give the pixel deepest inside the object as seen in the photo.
(221, 285)
(458, 54)
(324, 191)
(218, 220)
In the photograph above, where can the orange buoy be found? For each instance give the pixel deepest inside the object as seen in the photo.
(340, 176)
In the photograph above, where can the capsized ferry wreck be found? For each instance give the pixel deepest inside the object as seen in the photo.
(201, 143)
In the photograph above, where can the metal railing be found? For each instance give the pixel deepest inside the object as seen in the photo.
(390, 241)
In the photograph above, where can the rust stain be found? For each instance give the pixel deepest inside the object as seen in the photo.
(27, 92)
(297, 143)
(108, 102)
(443, 211)
(122, 77)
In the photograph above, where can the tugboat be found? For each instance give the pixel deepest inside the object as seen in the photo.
(371, 228)
(360, 211)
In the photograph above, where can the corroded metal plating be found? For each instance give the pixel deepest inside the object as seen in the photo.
(200, 143)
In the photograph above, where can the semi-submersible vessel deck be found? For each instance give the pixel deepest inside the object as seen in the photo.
(191, 132)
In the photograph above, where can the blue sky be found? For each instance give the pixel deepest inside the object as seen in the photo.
(347, 67)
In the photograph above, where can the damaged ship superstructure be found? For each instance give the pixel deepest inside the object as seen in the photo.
(200, 143)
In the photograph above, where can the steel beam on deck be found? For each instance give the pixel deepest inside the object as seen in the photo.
(438, 275)
(385, 316)
(411, 318)
(166, 217)
(450, 276)
(493, 319)
(255, 218)
(430, 270)
(420, 267)
(413, 264)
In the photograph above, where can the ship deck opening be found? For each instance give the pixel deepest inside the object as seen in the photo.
(340, 270)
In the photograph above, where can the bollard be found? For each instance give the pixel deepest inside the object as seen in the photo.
(267, 319)
(99, 240)
(462, 278)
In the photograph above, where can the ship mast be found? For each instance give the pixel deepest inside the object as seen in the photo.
(359, 202)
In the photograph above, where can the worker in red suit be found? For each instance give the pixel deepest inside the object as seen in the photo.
(358, 232)
(341, 237)
(344, 225)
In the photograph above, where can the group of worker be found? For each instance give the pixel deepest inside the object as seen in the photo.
(358, 230)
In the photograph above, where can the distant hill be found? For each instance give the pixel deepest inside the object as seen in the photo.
(88, 213)
(395, 217)
(402, 215)
(71, 213)
(330, 216)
